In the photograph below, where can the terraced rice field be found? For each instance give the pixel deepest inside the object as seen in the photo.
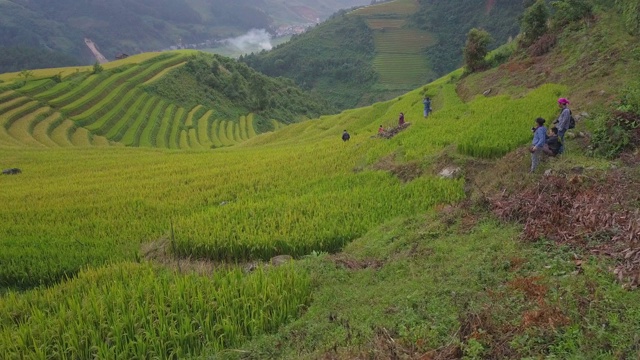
(110, 108)
(400, 57)
(79, 217)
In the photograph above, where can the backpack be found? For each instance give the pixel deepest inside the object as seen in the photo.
(572, 121)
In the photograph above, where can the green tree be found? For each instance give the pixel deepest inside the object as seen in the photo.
(534, 23)
(476, 49)
(97, 68)
(568, 11)
(26, 74)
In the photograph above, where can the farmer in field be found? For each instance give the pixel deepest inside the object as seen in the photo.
(345, 136)
(427, 106)
(563, 121)
(401, 119)
(553, 145)
(539, 140)
(380, 130)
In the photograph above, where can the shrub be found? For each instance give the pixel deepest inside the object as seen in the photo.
(631, 14)
(534, 23)
(475, 50)
(543, 45)
(568, 11)
(619, 131)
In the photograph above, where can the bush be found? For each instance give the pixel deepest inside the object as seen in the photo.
(619, 131)
(543, 45)
(631, 14)
(534, 23)
(568, 11)
(475, 50)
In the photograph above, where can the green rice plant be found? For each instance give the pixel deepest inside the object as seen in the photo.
(214, 131)
(203, 126)
(163, 134)
(13, 103)
(37, 86)
(176, 126)
(222, 133)
(80, 137)
(132, 134)
(149, 136)
(60, 131)
(132, 311)
(251, 130)
(21, 128)
(102, 89)
(116, 132)
(78, 91)
(184, 139)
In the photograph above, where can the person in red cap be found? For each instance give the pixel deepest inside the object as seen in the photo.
(563, 121)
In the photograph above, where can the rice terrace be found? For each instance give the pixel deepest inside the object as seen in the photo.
(181, 205)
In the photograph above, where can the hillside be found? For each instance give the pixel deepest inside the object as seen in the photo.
(167, 100)
(134, 26)
(294, 244)
(393, 47)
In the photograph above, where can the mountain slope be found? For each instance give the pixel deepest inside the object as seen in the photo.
(408, 43)
(134, 26)
(171, 100)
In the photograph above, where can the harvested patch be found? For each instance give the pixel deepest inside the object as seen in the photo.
(391, 132)
(349, 262)
(159, 252)
(598, 214)
(405, 172)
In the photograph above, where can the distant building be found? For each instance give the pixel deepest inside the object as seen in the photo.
(122, 56)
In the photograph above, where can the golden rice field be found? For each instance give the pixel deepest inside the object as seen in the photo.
(74, 221)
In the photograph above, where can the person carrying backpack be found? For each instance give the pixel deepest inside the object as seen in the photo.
(345, 136)
(563, 122)
(539, 140)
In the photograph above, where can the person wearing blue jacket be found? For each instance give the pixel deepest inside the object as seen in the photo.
(539, 140)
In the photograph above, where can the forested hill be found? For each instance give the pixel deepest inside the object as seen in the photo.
(381, 51)
(133, 26)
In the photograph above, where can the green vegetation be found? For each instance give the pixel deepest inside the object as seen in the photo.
(39, 33)
(136, 311)
(125, 103)
(233, 89)
(125, 252)
(334, 60)
(475, 50)
(391, 48)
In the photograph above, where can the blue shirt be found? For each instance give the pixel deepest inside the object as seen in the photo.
(540, 137)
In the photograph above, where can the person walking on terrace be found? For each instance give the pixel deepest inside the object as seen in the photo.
(539, 140)
(427, 106)
(563, 122)
(345, 136)
(401, 119)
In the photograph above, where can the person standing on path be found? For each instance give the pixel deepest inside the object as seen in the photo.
(427, 106)
(563, 121)
(539, 140)
(401, 119)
